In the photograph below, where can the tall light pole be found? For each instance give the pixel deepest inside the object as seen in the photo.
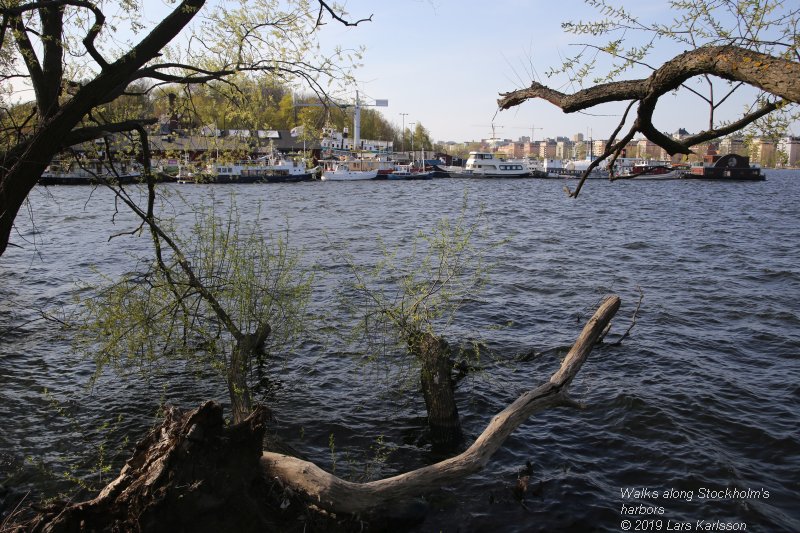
(404, 131)
(357, 119)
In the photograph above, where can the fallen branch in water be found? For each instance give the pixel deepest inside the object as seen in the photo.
(335, 494)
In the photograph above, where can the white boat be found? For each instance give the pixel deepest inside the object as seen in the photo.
(343, 171)
(653, 170)
(90, 172)
(488, 165)
(571, 168)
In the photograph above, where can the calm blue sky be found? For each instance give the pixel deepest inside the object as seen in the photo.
(444, 62)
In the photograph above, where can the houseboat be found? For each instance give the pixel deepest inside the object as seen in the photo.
(731, 167)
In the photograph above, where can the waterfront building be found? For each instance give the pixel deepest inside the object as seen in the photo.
(764, 152)
(530, 149)
(647, 149)
(564, 148)
(516, 150)
(547, 149)
(733, 145)
(597, 147)
(579, 149)
(789, 151)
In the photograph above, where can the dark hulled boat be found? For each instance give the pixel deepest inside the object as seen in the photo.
(732, 167)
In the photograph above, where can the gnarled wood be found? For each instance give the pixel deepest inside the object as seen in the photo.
(439, 391)
(330, 492)
(775, 75)
(772, 74)
(190, 474)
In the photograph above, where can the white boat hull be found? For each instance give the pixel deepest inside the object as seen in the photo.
(671, 175)
(349, 175)
(496, 174)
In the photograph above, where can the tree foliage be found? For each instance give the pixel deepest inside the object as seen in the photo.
(163, 312)
(408, 300)
(420, 287)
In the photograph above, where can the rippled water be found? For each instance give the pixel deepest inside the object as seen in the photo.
(704, 393)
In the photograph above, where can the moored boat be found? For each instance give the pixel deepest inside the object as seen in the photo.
(730, 167)
(488, 165)
(268, 169)
(656, 171)
(408, 172)
(90, 172)
(342, 171)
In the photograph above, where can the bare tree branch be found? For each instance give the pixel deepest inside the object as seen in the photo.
(775, 75)
(323, 6)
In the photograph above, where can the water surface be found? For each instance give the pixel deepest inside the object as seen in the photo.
(703, 394)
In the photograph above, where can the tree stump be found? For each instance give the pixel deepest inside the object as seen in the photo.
(192, 473)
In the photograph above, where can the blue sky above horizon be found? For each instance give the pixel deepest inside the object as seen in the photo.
(444, 63)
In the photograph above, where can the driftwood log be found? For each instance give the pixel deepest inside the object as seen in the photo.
(193, 473)
(335, 494)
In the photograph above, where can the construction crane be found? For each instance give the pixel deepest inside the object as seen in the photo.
(493, 126)
(356, 114)
(532, 129)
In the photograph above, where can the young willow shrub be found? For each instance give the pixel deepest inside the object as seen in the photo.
(407, 301)
(221, 296)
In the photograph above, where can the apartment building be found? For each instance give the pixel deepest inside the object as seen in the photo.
(733, 145)
(547, 149)
(647, 149)
(789, 152)
(763, 152)
(564, 149)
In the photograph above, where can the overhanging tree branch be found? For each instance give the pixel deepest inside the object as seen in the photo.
(775, 75)
(89, 133)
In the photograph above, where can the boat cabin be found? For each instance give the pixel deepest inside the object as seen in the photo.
(726, 167)
(489, 161)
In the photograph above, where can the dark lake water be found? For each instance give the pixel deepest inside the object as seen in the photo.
(703, 396)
